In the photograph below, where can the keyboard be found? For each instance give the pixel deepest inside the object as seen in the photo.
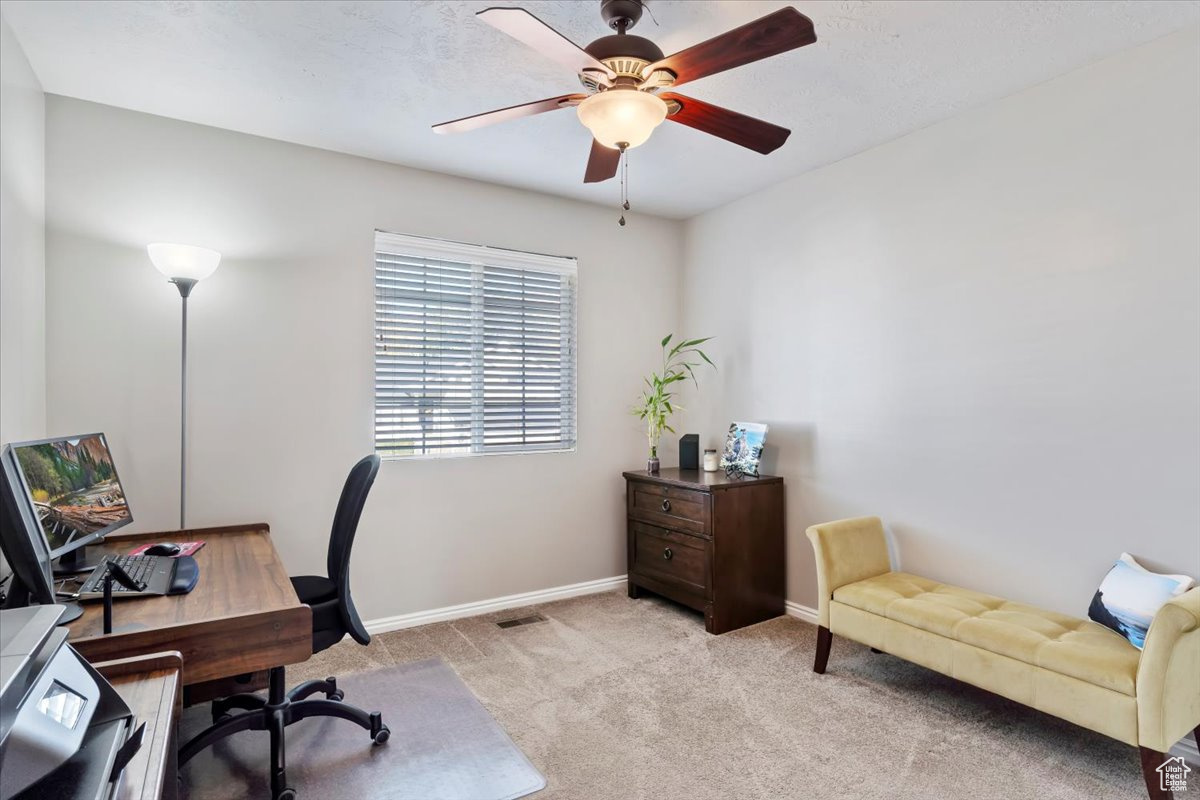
(161, 574)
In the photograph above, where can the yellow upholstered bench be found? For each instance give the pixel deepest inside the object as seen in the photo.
(1073, 668)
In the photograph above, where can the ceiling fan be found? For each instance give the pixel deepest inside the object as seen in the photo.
(624, 76)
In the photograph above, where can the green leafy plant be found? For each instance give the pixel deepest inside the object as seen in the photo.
(657, 402)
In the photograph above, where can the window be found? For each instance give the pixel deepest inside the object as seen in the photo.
(474, 349)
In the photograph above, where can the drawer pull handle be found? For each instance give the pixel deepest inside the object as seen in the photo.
(666, 505)
(667, 553)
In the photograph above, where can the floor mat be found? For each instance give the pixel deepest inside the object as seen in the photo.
(444, 746)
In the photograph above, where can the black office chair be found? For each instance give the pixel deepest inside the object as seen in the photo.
(334, 616)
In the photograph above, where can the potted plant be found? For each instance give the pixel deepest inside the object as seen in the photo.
(656, 404)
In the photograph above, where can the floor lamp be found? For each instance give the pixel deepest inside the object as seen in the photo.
(184, 265)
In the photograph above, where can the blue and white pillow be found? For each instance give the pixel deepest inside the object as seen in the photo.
(1130, 595)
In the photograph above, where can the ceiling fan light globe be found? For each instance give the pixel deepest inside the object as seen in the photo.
(622, 116)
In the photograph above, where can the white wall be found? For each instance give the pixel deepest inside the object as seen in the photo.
(281, 343)
(986, 332)
(22, 245)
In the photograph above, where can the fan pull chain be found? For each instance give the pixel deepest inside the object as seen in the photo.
(624, 183)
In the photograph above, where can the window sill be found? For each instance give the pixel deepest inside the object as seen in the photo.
(455, 456)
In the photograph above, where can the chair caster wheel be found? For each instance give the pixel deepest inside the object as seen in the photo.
(337, 696)
(382, 736)
(286, 794)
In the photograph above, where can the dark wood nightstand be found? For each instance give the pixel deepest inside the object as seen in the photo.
(710, 542)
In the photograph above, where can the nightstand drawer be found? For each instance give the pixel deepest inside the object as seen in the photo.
(670, 556)
(669, 507)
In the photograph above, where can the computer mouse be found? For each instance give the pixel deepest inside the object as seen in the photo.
(163, 549)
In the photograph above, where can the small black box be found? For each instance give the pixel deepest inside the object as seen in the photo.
(689, 451)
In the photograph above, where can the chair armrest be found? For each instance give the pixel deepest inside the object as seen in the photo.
(1168, 678)
(847, 550)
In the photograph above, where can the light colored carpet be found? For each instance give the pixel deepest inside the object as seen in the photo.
(626, 699)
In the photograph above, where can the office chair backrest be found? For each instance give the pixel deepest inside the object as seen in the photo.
(341, 539)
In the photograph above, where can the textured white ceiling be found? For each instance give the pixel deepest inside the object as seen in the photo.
(369, 78)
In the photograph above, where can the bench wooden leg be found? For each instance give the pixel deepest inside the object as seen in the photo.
(824, 640)
(1151, 761)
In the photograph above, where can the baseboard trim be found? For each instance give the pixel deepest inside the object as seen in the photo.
(801, 612)
(401, 621)
(1187, 748)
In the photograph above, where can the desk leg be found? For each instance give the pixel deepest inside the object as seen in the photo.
(170, 790)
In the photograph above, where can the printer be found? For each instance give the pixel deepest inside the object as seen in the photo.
(65, 733)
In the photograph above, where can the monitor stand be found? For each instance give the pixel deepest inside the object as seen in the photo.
(73, 612)
(73, 562)
(19, 597)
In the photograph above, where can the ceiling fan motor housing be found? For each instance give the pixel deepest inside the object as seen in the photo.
(621, 15)
(625, 46)
(625, 54)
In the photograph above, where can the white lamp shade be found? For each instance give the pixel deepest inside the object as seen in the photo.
(622, 116)
(183, 261)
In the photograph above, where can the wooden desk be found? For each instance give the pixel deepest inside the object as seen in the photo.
(152, 687)
(242, 617)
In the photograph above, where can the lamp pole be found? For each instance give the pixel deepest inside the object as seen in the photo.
(184, 285)
(183, 265)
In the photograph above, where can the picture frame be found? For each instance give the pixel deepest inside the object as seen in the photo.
(744, 442)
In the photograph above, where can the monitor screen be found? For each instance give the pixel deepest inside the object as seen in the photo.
(74, 489)
(21, 540)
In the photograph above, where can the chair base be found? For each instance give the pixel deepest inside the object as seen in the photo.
(274, 713)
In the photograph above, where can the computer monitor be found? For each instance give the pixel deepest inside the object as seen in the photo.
(71, 486)
(23, 544)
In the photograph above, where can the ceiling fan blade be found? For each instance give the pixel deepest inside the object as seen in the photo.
(528, 29)
(776, 33)
(512, 112)
(762, 137)
(602, 163)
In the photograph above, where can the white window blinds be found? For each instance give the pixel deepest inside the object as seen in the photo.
(474, 349)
